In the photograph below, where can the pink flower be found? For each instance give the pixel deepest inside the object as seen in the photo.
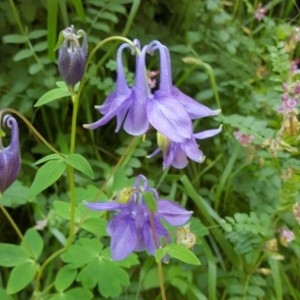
(260, 12)
(244, 139)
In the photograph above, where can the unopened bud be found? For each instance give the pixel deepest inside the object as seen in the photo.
(163, 142)
(72, 56)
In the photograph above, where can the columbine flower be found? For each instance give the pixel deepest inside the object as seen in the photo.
(168, 110)
(72, 56)
(9, 156)
(175, 154)
(127, 104)
(169, 101)
(130, 229)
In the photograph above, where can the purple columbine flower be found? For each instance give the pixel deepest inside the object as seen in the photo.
(72, 56)
(176, 154)
(9, 156)
(127, 104)
(130, 229)
(168, 110)
(170, 93)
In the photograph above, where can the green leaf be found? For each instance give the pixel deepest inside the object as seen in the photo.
(15, 195)
(62, 209)
(22, 54)
(64, 278)
(51, 96)
(14, 39)
(20, 277)
(95, 225)
(79, 163)
(40, 46)
(160, 254)
(78, 294)
(33, 243)
(150, 201)
(182, 253)
(35, 68)
(46, 175)
(83, 252)
(37, 34)
(47, 158)
(109, 276)
(4, 295)
(12, 255)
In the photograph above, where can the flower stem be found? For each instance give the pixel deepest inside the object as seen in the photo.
(75, 100)
(12, 222)
(30, 126)
(159, 264)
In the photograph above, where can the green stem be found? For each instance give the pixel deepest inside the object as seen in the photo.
(109, 39)
(159, 264)
(30, 126)
(12, 222)
(71, 174)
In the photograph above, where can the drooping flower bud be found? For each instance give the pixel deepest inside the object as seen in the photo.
(9, 156)
(72, 56)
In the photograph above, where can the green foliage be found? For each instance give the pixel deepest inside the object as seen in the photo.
(89, 264)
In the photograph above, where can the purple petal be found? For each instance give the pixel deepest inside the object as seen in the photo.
(123, 236)
(10, 160)
(207, 133)
(105, 205)
(119, 101)
(169, 117)
(191, 149)
(195, 109)
(165, 70)
(177, 158)
(173, 213)
(148, 237)
(136, 122)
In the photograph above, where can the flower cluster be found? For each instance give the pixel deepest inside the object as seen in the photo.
(135, 227)
(72, 56)
(9, 156)
(244, 139)
(260, 12)
(168, 110)
(286, 236)
(289, 98)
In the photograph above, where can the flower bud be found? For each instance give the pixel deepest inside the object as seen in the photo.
(72, 56)
(9, 156)
(163, 142)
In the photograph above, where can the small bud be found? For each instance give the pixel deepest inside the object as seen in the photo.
(72, 56)
(125, 195)
(185, 237)
(9, 156)
(163, 142)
